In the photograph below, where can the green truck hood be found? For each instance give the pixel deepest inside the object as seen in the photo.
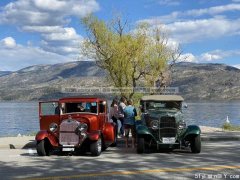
(168, 112)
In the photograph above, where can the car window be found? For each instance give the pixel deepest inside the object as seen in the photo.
(163, 105)
(49, 108)
(80, 107)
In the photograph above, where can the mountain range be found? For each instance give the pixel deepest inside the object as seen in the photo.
(195, 81)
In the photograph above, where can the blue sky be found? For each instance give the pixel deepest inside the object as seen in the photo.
(49, 31)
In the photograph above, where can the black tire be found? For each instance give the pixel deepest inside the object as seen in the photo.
(104, 147)
(140, 145)
(114, 144)
(196, 144)
(96, 147)
(43, 148)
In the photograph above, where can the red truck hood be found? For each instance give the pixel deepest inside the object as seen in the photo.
(90, 119)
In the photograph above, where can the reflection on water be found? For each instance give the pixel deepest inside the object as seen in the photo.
(22, 117)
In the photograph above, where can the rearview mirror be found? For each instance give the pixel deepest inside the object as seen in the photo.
(185, 105)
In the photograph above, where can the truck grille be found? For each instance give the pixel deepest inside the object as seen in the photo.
(67, 135)
(168, 127)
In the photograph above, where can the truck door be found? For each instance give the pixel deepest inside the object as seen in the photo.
(49, 112)
(102, 114)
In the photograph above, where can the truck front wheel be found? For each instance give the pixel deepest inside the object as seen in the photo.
(96, 147)
(196, 144)
(43, 148)
(140, 145)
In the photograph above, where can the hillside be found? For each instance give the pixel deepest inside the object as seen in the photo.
(45, 81)
(3, 73)
(195, 81)
(207, 81)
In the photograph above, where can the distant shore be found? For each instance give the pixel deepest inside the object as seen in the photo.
(204, 129)
(208, 129)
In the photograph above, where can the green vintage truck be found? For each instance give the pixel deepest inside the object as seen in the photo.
(163, 127)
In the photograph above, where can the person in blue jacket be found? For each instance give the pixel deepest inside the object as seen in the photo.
(129, 122)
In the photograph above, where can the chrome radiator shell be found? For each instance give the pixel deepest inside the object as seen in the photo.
(67, 132)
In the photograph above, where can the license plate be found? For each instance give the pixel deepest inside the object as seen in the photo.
(68, 149)
(169, 140)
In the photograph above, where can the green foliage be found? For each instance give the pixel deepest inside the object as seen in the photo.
(136, 101)
(32, 134)
(136, 98)
(126, 56)
(230, 127)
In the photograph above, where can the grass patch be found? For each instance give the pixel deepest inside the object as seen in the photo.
(230, 127)
(32, 134)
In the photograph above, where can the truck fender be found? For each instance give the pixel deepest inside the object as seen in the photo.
(94, 135)
(143, 131)
(192, 130)
(109, 132)
(43, 134)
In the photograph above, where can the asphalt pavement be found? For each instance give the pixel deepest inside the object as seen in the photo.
(25, 142)
(216, 161)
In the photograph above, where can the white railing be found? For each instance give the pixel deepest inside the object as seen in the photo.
(114, 90)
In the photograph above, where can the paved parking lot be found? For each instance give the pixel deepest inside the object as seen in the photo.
(217, 159)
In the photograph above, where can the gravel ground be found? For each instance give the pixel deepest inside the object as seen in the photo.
(207, 129)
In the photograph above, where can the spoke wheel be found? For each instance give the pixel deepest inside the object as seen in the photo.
(140, 145)
(43, 148)
(96, 147)
(196, 144)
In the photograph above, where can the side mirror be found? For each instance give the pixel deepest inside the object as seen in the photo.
(104, 103)
(141, 108)
(185, 105)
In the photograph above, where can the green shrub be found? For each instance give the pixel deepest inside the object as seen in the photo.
(230, 127)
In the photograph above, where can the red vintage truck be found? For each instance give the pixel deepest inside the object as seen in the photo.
(73, 124)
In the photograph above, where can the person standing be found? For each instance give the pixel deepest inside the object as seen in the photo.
(129, 122)
(122, 106)
(114, 113)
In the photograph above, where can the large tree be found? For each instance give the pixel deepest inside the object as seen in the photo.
(128, 56)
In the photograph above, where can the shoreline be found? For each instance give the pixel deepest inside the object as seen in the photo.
(204, 129)
(208, 134)
(209, 129)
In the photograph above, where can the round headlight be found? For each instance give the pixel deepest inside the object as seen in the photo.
(53, 127)
(182, 125)
(154, 124)
(83, 127)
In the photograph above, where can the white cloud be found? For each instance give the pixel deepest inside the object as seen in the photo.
(201, 29)
(184, 15)
(172, 44)
(213, 10)
(210, 57)
(8, 42)
(237, 66)
(50, 18)
(169, 2)
(43, 29)
(64, 34)
(65, 41)
(219, 55)
(188, 57)
(58, 39)
(50, 5)
(184, 29)
(21, 56)
(45, 12)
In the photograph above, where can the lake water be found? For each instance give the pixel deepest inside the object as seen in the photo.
(22, 117)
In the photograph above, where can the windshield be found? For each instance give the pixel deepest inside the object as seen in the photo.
(79, 107)
(161, 106)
